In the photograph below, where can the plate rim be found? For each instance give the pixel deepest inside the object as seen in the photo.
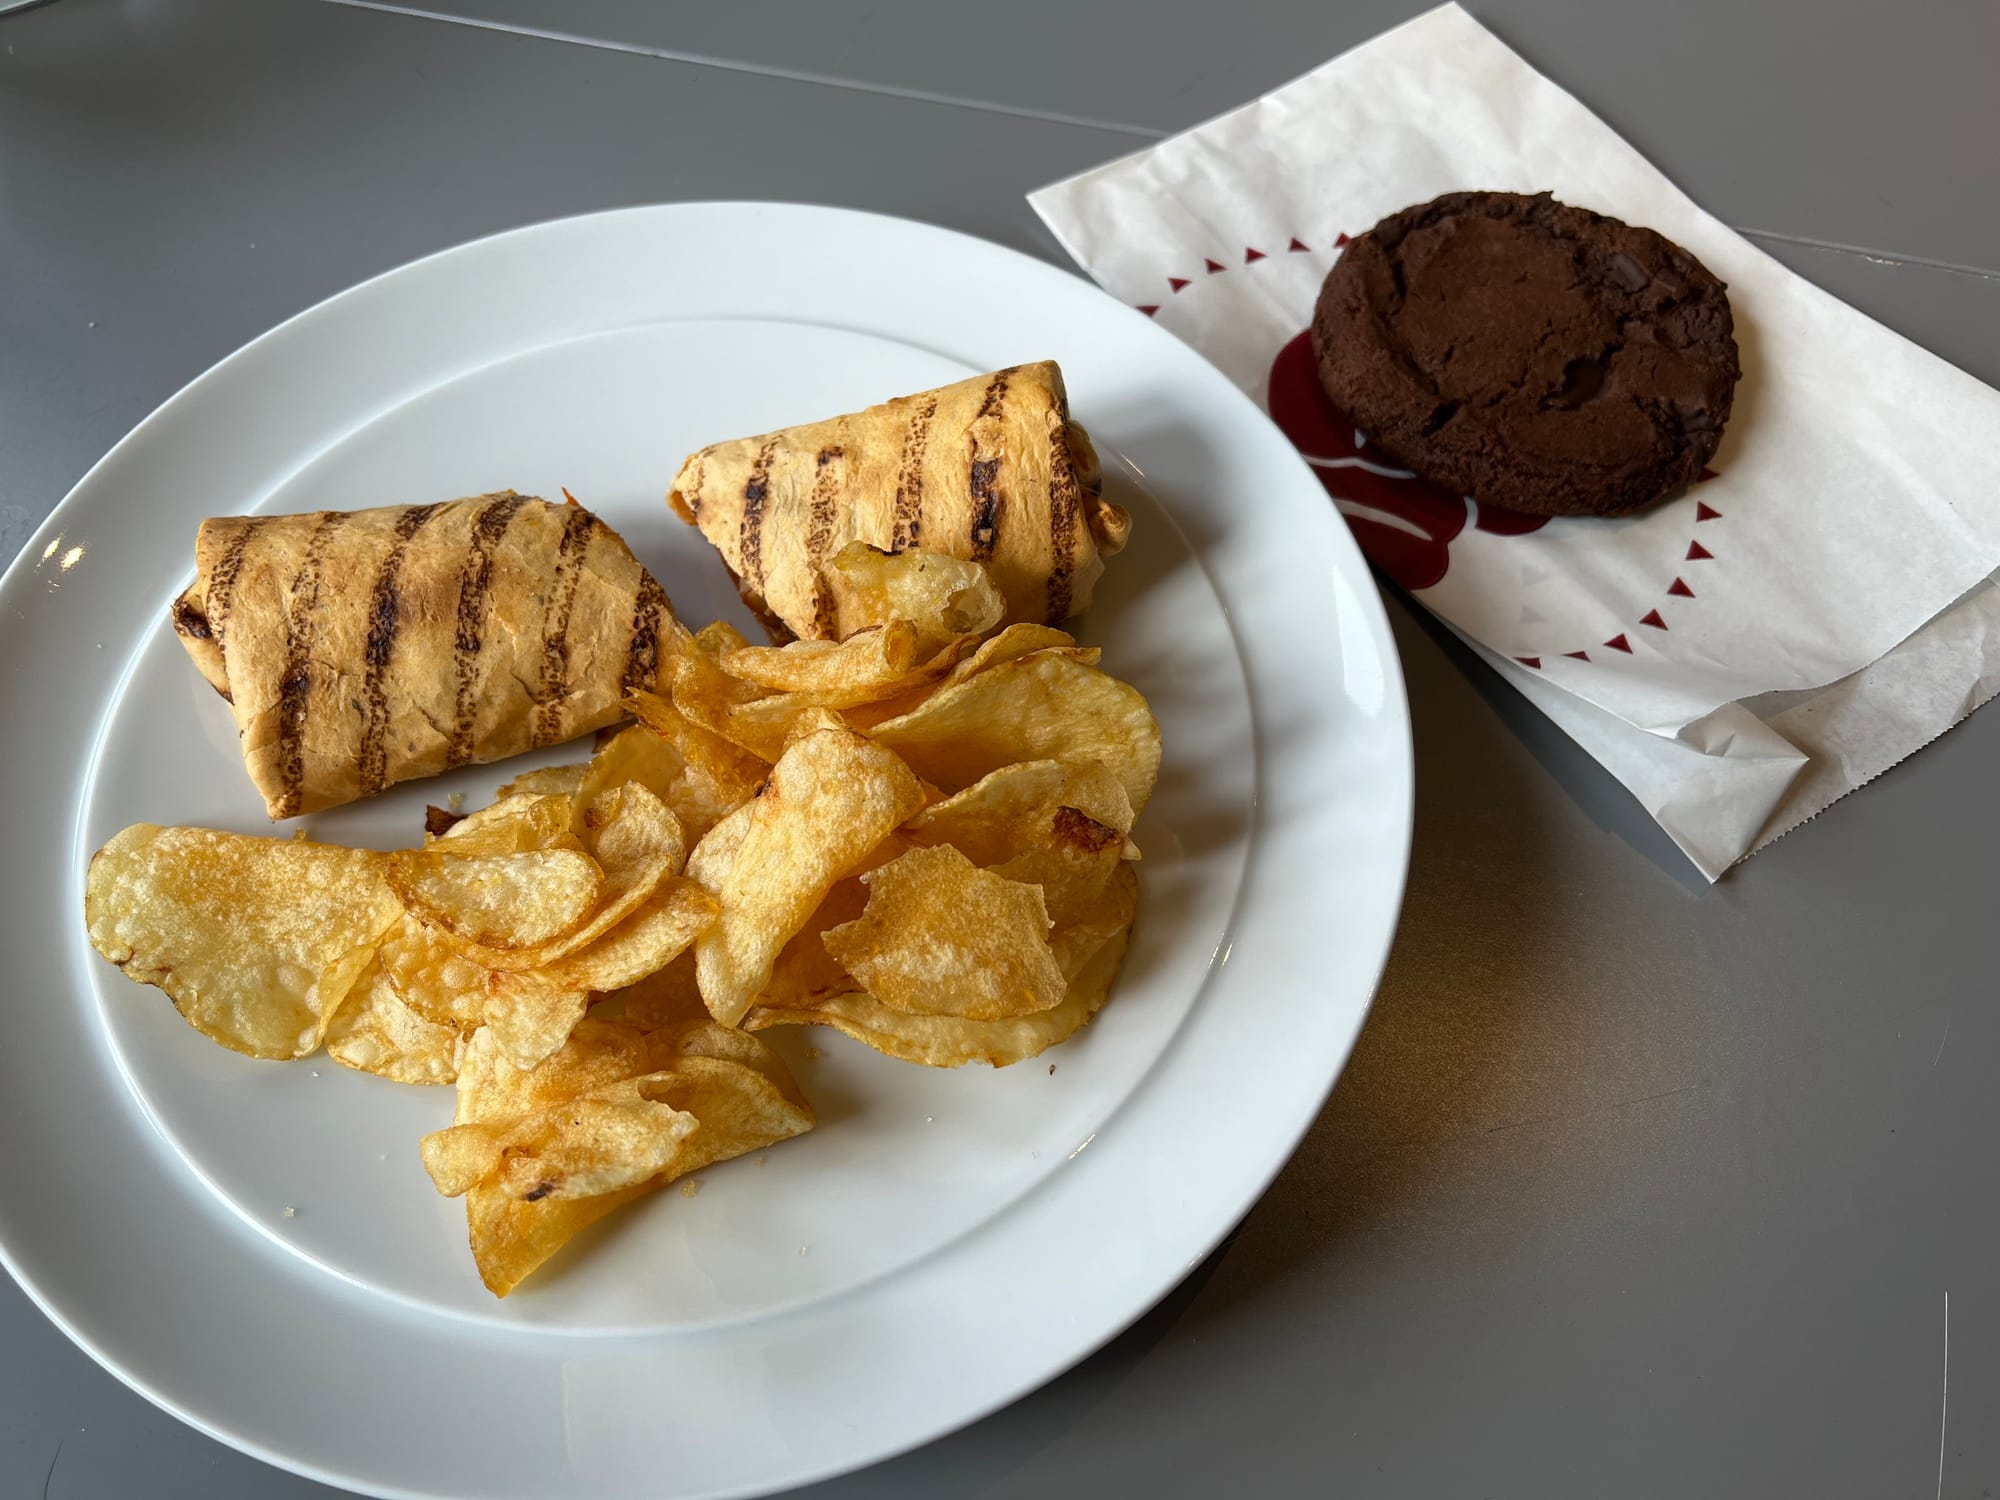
(1250, 1186)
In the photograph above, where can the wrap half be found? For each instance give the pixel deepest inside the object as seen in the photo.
(363, 648)
(991, 469)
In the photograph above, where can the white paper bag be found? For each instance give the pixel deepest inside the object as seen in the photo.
(1739, 657)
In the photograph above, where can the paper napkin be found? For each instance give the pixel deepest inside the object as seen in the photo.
(1816, 609)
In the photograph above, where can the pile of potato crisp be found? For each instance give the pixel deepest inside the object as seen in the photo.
(918, 835)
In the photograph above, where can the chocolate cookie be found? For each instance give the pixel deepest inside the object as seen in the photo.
(1529, 354)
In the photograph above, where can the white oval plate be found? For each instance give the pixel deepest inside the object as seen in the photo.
(255, 1246)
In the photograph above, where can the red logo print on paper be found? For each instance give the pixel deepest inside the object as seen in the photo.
(1403, 525)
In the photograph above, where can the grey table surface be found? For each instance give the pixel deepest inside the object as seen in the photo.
(1633, 1186)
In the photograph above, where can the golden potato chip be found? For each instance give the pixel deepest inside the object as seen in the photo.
(528, 1021)
(815, 720)
(736, 1087)
(1007, 811)
(515, 824)
(525, 1143)
(604, 1056)
(430, 976)
(492, 1090)
(763, 722)
(499, 900)
(720, 774)
(868, 664)
(804, 971)
(741, 1105)
(764, 726)
(1109, 915)
(894, 845)
(948, 1041)
(511, 1238)
(591, 1144)
(256, 940)
(830, 799)
(545, 781)
(716, 637)
(495, 1094)
(632, 833)
(865, 716)
(759, 722)
(634, 753)
(940, 936)
(597, 1144)
(374, 1031)
(637, 843)
(697, 799)
(644, 943)
(943, 597)
(1070, 860)
(531, 1012)
(601, 1053)
(1039, 707)
(1019, 640)
(877, 673)
(660, 999)
(935, 1041)
(703, 692)
(703, 1037)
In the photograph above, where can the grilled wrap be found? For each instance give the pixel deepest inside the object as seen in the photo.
(991, 469)
(358, 649)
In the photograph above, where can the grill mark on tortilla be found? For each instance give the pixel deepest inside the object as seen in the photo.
(984, 476)
(1065, 505)
(985, 508)
(642, 656)
(579, 526)
(222, 587)
(474, 585)
(693, 496)
(909, 514)
(996, 394)
(750, 536)
(385, 606)
(295, 685)
(819, 528)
